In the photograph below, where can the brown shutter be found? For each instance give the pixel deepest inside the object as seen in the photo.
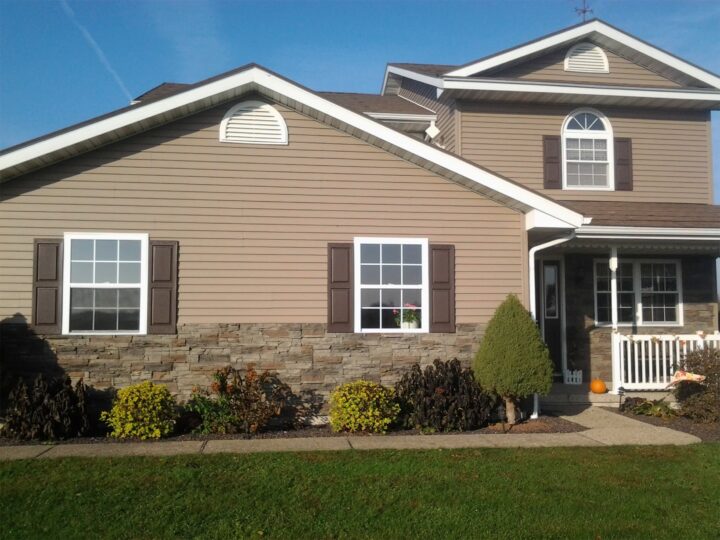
(552, 171)
(162, 287)
(340, 288)
(623, 164)
(442, 288)
(47, 286)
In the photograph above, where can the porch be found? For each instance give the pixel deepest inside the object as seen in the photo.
(626, 312)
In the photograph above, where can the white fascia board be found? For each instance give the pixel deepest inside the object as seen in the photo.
(427, 79)
(578, 33)
(495, 85)
(535, 219)
(648, 233)
(263, 79)
(399, 117)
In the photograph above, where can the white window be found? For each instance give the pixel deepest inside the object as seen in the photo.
(586, 58)
(253, 122)
(391, 285)
(105, 283)
(587, 151)
(649, 293)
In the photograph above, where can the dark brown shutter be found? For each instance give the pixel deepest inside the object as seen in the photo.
(623, 164)
(47, 286)
(552, 171)
(340, 288)
(442, 288)
(162, 287)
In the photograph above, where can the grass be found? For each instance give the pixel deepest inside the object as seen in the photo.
(621, 492)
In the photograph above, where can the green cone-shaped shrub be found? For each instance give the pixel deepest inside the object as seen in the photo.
(513, 361)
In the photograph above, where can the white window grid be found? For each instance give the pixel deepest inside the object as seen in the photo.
(638, 292)
(599, 166)
(423, 287)
(68, 285)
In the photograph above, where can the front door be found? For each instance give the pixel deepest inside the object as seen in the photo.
(551, 309)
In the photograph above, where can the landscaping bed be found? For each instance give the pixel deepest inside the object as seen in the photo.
(709, 432)
(544, 424)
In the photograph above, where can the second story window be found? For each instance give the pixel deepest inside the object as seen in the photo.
(587, 151)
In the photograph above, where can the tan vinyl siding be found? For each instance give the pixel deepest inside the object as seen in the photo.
(551, 68)
(253, 222)
(425, 95)
(670, 149)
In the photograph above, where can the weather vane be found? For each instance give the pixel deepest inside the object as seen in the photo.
(584, 10)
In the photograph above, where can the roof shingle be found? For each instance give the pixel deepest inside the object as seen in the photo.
(648, 214)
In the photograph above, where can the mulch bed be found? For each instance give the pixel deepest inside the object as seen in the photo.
(706, 432)
(544, 424)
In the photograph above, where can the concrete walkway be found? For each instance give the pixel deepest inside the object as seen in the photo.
(605, 428)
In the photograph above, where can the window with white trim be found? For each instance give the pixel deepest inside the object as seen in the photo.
(105, 283)
(649, 292)
(391, 285)
(587, 151)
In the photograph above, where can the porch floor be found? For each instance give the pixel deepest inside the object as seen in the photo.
(563, 395)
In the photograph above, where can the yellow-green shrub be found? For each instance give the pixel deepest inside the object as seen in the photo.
(362, 406)
(143, 410)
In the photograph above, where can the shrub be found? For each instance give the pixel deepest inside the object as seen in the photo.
(143, 410)
(647, 407)
(701, 401)
(52, 409)
(442, 397)
(237, 404)
(362, 406)
(513, 361)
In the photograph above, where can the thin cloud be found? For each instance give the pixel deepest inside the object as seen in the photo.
(96, 48)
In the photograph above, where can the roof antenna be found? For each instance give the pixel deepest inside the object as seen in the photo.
(584, 10)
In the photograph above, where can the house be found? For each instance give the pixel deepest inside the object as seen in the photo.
(246, 219)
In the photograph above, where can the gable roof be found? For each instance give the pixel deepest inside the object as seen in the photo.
(701, 88)
(137, 118)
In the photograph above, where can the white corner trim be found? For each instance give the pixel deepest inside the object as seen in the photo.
(259, 79)
(580, 32)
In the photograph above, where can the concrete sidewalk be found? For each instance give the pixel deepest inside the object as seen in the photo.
(605, 428)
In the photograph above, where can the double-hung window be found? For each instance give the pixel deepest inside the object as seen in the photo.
(649, 292)
(587, 151)
(105, 283)
(391, 285)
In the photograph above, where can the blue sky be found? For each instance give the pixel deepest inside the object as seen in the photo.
(63, 61)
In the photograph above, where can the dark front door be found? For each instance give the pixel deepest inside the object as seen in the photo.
(551, 303)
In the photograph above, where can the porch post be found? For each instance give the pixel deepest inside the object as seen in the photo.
(615, 354)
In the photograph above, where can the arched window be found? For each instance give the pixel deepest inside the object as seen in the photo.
(586, 58)
(587, 151)
(253, 122)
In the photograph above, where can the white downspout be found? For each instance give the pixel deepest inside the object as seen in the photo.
(533, 302)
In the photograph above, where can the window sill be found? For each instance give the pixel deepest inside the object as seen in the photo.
(395, 332)
(587, 188)
(644, 325)
(119, 333)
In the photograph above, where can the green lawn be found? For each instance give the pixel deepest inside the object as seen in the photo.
(622, 492)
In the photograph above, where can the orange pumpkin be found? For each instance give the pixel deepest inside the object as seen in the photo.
(597, 386)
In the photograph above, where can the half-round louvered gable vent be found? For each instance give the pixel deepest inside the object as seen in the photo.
(253, 122)
(586, 58)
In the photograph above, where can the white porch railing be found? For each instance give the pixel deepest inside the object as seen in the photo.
(648, 362)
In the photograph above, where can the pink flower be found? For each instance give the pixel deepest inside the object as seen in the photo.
(395, 311)
(411, 306)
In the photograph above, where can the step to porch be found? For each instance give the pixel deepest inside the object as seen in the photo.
(567, 394)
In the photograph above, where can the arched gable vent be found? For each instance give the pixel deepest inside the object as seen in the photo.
(253, 122)
(586, 58)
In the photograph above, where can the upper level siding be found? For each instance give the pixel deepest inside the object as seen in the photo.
(425, 95)
(671, 149)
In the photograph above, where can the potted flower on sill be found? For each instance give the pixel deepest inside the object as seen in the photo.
(408, 318)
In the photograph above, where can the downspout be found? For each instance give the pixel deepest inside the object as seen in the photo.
(533, 301)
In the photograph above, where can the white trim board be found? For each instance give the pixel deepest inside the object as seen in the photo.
(580, 32)
(263, 81)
